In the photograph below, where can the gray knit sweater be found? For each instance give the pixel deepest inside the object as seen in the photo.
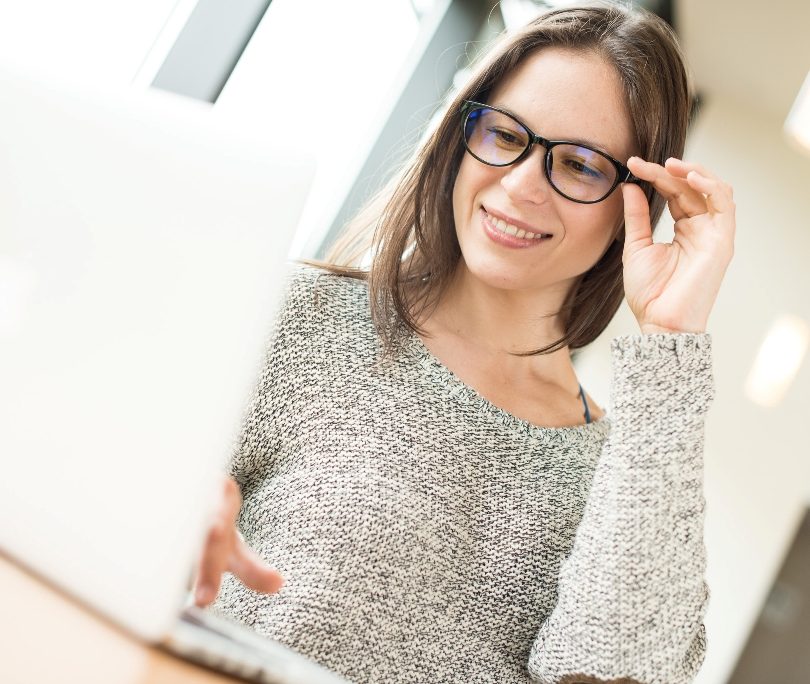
(427, 535)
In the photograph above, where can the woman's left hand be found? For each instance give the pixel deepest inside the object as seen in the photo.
(671, 287)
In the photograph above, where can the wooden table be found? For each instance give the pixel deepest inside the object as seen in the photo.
(47, 637)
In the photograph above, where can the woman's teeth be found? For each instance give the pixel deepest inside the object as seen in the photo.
(504, 227)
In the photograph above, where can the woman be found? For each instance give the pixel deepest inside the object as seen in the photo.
(420, 462)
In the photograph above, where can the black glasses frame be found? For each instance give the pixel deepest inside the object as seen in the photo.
(623, 174)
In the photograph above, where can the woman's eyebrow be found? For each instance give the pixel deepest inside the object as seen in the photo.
(590, 143)
(579, 141)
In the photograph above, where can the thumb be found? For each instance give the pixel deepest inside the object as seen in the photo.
(637, 228)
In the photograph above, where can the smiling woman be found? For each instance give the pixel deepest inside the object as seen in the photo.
(420, 461)
(649, 106)
(564, 93)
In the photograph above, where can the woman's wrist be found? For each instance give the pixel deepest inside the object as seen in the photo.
(650, 329)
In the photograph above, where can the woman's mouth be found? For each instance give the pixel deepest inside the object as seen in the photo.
(508, 234)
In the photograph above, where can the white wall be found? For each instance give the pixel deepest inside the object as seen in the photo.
(757, 459)
(321, 72)
(100, 41)
(325, 73)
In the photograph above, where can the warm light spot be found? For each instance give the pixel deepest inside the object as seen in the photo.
(778, 361)
(797, 125)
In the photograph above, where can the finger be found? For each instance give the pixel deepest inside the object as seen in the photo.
(683, 200)
(253, 571)
(219, 545)
(637, 228)
(232, 500)
(214, 562)
(717, 198)
(680, 167)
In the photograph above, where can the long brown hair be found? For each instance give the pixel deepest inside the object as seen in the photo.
(409, 227)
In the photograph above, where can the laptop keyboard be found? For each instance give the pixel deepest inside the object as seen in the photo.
(226, 646)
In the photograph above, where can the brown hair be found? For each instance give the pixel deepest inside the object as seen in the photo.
(414, 246)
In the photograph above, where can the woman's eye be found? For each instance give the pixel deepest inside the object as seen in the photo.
(506, 137)
(583, 169)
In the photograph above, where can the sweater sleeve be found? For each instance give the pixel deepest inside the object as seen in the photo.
(632, 595)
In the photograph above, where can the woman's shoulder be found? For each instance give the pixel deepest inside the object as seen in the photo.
(314, 291)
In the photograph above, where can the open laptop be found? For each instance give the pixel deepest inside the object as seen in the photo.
(143, 243)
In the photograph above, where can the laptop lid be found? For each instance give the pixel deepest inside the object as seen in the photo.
(143, 242)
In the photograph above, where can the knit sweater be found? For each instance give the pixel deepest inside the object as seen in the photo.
(426, 535)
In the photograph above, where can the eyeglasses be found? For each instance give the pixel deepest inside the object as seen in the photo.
(577, 172)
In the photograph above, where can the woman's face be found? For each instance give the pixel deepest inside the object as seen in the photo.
(561, 95)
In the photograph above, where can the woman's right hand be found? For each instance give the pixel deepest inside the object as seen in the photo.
(226, 551)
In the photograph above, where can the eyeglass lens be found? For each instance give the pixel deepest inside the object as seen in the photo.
(579, 173)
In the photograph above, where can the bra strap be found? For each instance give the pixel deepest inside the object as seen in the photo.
(585, 404)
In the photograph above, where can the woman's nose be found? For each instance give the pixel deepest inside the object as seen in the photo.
(526, 181)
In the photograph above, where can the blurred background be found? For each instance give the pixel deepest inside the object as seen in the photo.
(357, 82)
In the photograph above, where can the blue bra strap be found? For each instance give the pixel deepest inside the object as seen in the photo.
(585, 403)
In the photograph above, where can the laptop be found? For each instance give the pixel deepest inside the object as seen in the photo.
(143, 244)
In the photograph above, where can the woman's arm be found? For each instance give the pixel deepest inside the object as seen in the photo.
(631, 595)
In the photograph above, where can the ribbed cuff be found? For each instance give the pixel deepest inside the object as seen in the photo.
(660, 378)
(685, 347)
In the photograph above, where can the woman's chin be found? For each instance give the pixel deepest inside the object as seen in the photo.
(492, 274)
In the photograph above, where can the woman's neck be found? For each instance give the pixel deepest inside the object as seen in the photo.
(497, 323)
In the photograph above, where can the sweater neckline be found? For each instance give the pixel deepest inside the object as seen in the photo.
(456, 389)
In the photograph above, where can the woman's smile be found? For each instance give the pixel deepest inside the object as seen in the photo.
(509, 234)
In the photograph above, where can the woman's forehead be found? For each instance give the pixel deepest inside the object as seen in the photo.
(571, 95)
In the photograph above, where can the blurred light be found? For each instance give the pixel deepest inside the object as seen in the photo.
(517, 13)
(778, 361)
(797, 124)
(422, 7)
(17, 286)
